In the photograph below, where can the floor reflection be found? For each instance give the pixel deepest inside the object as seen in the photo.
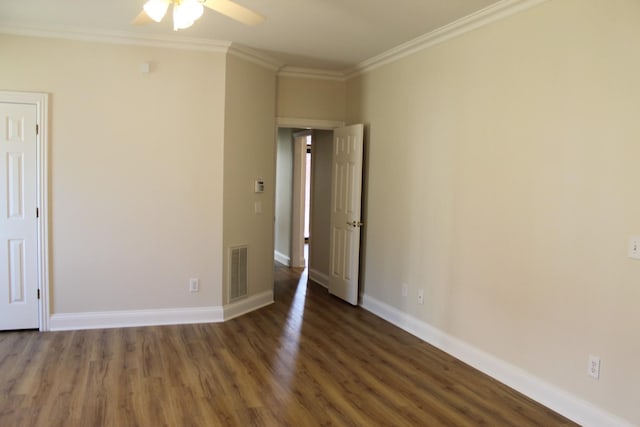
(287, 287)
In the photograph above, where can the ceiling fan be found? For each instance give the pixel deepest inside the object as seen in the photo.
(186, 12)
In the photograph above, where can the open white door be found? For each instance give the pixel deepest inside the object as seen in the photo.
(346, 191)
(18, 222)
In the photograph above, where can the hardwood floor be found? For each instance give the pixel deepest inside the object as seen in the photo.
(307, 360)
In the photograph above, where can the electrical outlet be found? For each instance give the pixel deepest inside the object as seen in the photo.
(420, 296)
(405, 289)
(634, 247)
(194, 285)
(594, 367)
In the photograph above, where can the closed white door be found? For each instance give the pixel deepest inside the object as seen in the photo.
(346, 190)
(18, 228)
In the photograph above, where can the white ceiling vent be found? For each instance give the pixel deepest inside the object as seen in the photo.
(238, 272)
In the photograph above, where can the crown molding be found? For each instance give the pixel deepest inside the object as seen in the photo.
(311, 73)
(483, 17)
(134, 39)
(115, 37)
(254, 56)
(478, 19)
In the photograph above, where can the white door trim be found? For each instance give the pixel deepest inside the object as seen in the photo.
(298, 198)
(295, 122)
(41, 102)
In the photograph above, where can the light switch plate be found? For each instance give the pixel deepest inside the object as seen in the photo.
(594, 367)
(194, 285)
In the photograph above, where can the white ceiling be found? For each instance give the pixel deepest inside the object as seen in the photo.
(320, 34)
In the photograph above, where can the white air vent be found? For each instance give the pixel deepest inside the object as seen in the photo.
(238, 273)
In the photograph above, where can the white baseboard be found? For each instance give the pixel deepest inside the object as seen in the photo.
(564, 403)
(320, 278)
(247, 305)
(129, 318)
(282, 258)
(166, 316)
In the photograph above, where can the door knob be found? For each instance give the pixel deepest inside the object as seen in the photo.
(355, 223)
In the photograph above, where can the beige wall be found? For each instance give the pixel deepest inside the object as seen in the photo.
(503, 176)
(320, 201)
(310, 98)
(284, 189)
(135, 171)
(249, 154)
(509, 153)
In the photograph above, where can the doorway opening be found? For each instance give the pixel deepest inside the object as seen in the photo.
(303, 195)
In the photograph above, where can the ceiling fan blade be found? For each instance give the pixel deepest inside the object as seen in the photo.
(142, 19)
(235, 11)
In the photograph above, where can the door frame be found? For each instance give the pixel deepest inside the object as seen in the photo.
(298, 197)
(41, 102)
(308, 124)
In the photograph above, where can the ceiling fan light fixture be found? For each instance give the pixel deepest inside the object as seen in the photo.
(192, 8)
(185, 13)
(180, 19)
(156, 9)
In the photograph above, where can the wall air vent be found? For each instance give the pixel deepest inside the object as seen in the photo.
(238, 272)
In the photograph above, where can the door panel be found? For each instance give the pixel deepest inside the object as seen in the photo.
(345, 212)
(18, 228)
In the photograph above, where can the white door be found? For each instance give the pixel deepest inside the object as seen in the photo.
(18, 227)
(346, 189)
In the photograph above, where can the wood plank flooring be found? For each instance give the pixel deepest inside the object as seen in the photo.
(307, 360)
